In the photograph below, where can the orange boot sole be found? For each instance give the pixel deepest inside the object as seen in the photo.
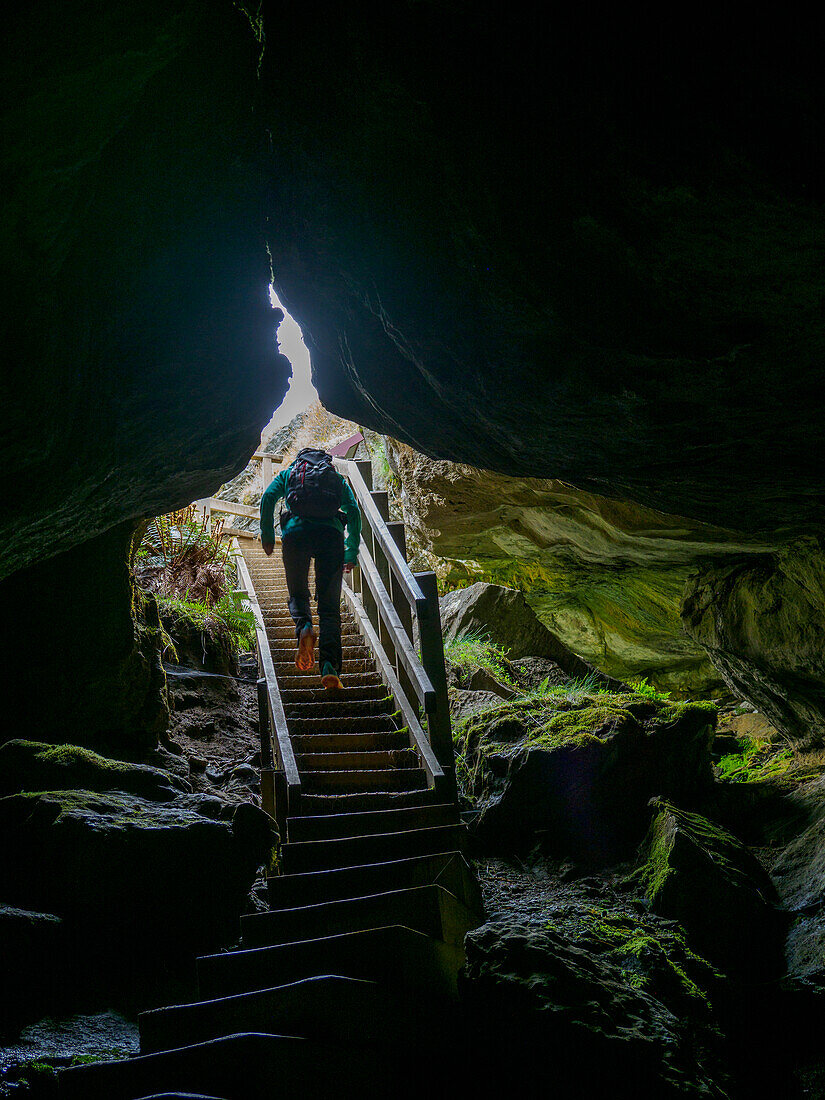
(305, 657)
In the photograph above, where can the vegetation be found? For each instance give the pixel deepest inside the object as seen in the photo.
(653, 956)
(185, 562)
(475, 651)
(228, 619)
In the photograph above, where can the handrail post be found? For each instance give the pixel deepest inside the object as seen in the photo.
(364, 467)
(264, 724)
(266, 471)
(432, 658)
(398, 533)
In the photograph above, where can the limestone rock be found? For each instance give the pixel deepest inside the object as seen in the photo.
(34, 766)
(697, 873)
(134, 880)
(465, 704)
(761, 622)
(504, 616)
(32, 947)
(576, 771)
(537, 999)
(533, 672)
(799, 877)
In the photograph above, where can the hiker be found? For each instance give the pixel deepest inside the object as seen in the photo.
(320, 504)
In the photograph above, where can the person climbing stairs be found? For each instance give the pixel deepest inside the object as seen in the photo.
(347, 984)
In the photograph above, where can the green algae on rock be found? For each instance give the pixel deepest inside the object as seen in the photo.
(608, 1002)
(37, 766)
(696, 872)
(575, 768)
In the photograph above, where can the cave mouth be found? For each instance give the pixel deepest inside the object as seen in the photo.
(301, 393)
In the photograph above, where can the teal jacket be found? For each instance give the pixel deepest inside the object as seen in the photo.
(276, 492)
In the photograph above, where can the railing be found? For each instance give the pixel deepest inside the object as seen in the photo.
(395, 610)
(398, 615)
(280, 781)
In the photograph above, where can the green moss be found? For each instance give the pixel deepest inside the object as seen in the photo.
(758, 760)
(722, 848)
(653, 957)
(476, 651)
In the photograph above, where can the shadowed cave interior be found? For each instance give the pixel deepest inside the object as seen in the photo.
(566, 277)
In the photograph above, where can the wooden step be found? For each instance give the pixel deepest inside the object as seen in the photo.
(351, 670)
(448, 869)
(354, 761)
(381, 779)
(349, 1011)
(395, 956)
(317, 694)
(342, 803)
(428, 909)
(369, 723)
(286, 632)
(350, 742)
(243, 1066)
(334, 707)
(324, 855)
(290, 678)
(370, 823)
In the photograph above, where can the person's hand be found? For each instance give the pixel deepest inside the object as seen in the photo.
(349, 566)
(268, 547)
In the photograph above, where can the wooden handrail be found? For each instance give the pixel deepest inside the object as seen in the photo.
(215, 504)
(281, 744)
(435, 772)
(402, 572)
(403, 646)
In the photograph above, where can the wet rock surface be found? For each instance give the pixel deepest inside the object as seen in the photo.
(700, 875)
(761, 622)
(573, 981)
(575, 771)
(503, 616)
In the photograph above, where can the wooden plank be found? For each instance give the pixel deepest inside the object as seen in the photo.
(233, 509)
(371, 514)
(435, 773)
(281, 740)
(432, 657)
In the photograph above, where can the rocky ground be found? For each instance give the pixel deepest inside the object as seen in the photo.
(147, 863)
(652, 875)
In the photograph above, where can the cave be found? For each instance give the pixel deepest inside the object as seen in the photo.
(578, 261)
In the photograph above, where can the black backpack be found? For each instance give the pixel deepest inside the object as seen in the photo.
(313, 488)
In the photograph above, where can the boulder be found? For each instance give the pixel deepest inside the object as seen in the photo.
(504, 616)
(799, 877)
(580, 1014)
(577, 771)
(760, 621)
(32, 948)
(533, 672)
(35, 766)
(699, 874)
(137, 881)
(466, 704)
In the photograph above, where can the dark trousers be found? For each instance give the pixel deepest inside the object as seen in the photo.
(326, 546)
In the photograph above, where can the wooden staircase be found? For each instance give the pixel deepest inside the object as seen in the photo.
(349, 978)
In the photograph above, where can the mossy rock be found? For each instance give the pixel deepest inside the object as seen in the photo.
(579, 999)
(36, 766)
(695, 872)
(575, 769)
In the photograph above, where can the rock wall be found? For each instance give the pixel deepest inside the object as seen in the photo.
(561, 248)
(606, 576)
(761, 620)
(138, 335)
(557, 249)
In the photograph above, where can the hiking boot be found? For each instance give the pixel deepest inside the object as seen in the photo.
(330, 678)
(305, 657)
